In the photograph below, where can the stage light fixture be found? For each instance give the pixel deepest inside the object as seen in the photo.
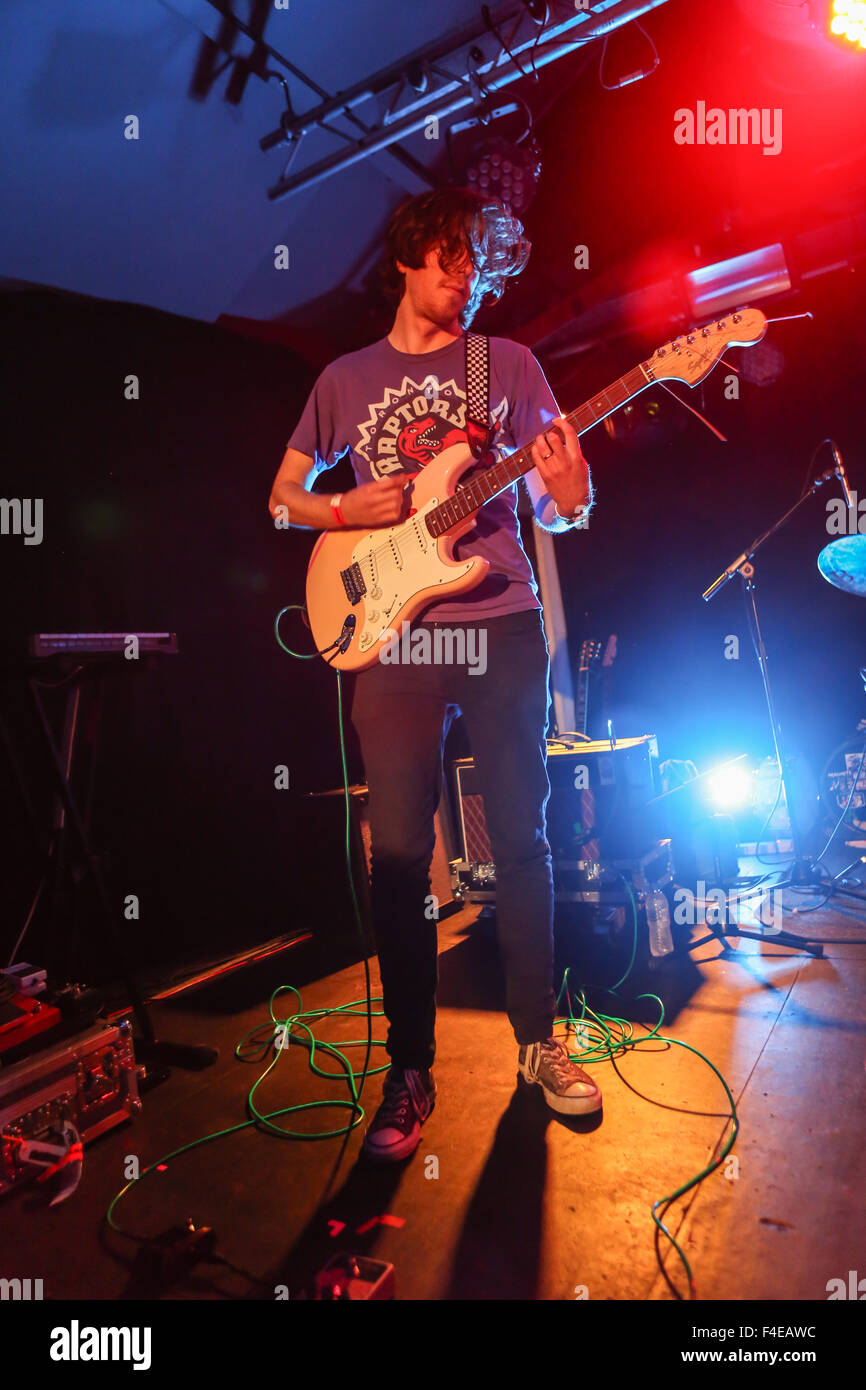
(509, 171)
(849, 21)
(730, 788)
(738, 280)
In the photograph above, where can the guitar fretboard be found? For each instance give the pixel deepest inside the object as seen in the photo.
(487, 485)
(581, 712)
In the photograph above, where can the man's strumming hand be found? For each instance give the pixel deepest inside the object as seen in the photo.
(375, 504)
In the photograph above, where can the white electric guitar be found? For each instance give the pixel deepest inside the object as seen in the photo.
(362, 585)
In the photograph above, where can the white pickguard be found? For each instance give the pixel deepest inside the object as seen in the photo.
(396, 563)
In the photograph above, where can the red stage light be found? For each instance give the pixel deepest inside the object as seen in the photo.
(849, 21)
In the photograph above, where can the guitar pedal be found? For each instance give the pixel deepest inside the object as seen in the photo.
(354, 1278)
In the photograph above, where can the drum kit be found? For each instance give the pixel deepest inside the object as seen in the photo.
(843, 564)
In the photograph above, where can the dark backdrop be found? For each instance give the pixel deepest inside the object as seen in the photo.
(155, 518)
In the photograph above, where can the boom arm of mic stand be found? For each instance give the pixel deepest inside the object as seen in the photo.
(734, 566)
(724, 577)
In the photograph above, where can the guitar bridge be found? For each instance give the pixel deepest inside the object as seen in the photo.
(353, 583)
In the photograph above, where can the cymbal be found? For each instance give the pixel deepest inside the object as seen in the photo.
(843, 564)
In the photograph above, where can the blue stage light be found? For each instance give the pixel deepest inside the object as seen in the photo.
(730, 788)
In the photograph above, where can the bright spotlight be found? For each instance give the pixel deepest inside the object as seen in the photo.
(730, 787)
(849, 21)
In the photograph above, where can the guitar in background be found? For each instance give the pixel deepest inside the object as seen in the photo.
(588, 660)
(606, 666)
(590, 651)
(587, 665)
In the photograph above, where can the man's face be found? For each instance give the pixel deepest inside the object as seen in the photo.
(438, 294)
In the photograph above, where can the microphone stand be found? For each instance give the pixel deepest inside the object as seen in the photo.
(802, 871)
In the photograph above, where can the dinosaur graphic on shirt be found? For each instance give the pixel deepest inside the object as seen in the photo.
(413, 422)
(422, 440)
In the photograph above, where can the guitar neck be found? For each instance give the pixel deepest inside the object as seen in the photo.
(582, 702)
(487, 485)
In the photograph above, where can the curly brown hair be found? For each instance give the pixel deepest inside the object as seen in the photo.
(459, 221)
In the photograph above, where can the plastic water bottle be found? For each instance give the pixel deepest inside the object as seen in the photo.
(658, 918)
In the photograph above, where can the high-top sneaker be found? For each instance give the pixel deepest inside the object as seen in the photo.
(395, 1132)
(567, 1087)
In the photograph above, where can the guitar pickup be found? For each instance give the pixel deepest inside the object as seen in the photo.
(353, 583)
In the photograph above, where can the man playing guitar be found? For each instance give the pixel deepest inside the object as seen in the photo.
(394, 406)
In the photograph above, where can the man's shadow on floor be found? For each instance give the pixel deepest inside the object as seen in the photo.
(498, 1250)
(346, 1221)
(498, 1253)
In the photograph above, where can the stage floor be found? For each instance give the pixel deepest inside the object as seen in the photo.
(519, 1203)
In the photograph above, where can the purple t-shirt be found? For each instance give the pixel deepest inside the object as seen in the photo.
(395, 411)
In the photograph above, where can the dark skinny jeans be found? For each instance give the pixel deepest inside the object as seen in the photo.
(402, 713)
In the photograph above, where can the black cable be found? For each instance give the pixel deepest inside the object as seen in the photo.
(541, 28)
(815, 907)
(237, 1269)
(485, 15)
(530, 120)
(810, 888)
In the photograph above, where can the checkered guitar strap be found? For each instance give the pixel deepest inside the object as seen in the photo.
(478, 430)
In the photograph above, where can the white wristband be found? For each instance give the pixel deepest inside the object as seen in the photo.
(577, 517)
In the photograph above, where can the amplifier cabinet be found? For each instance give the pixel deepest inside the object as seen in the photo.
(440, 873)
(599, 807)
(330, 827)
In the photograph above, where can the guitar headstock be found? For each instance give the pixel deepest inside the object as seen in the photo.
(590, 651)
(692, 356)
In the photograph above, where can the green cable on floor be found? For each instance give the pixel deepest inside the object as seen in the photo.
(278, 1033)
(609, 1037)
(367, 947)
